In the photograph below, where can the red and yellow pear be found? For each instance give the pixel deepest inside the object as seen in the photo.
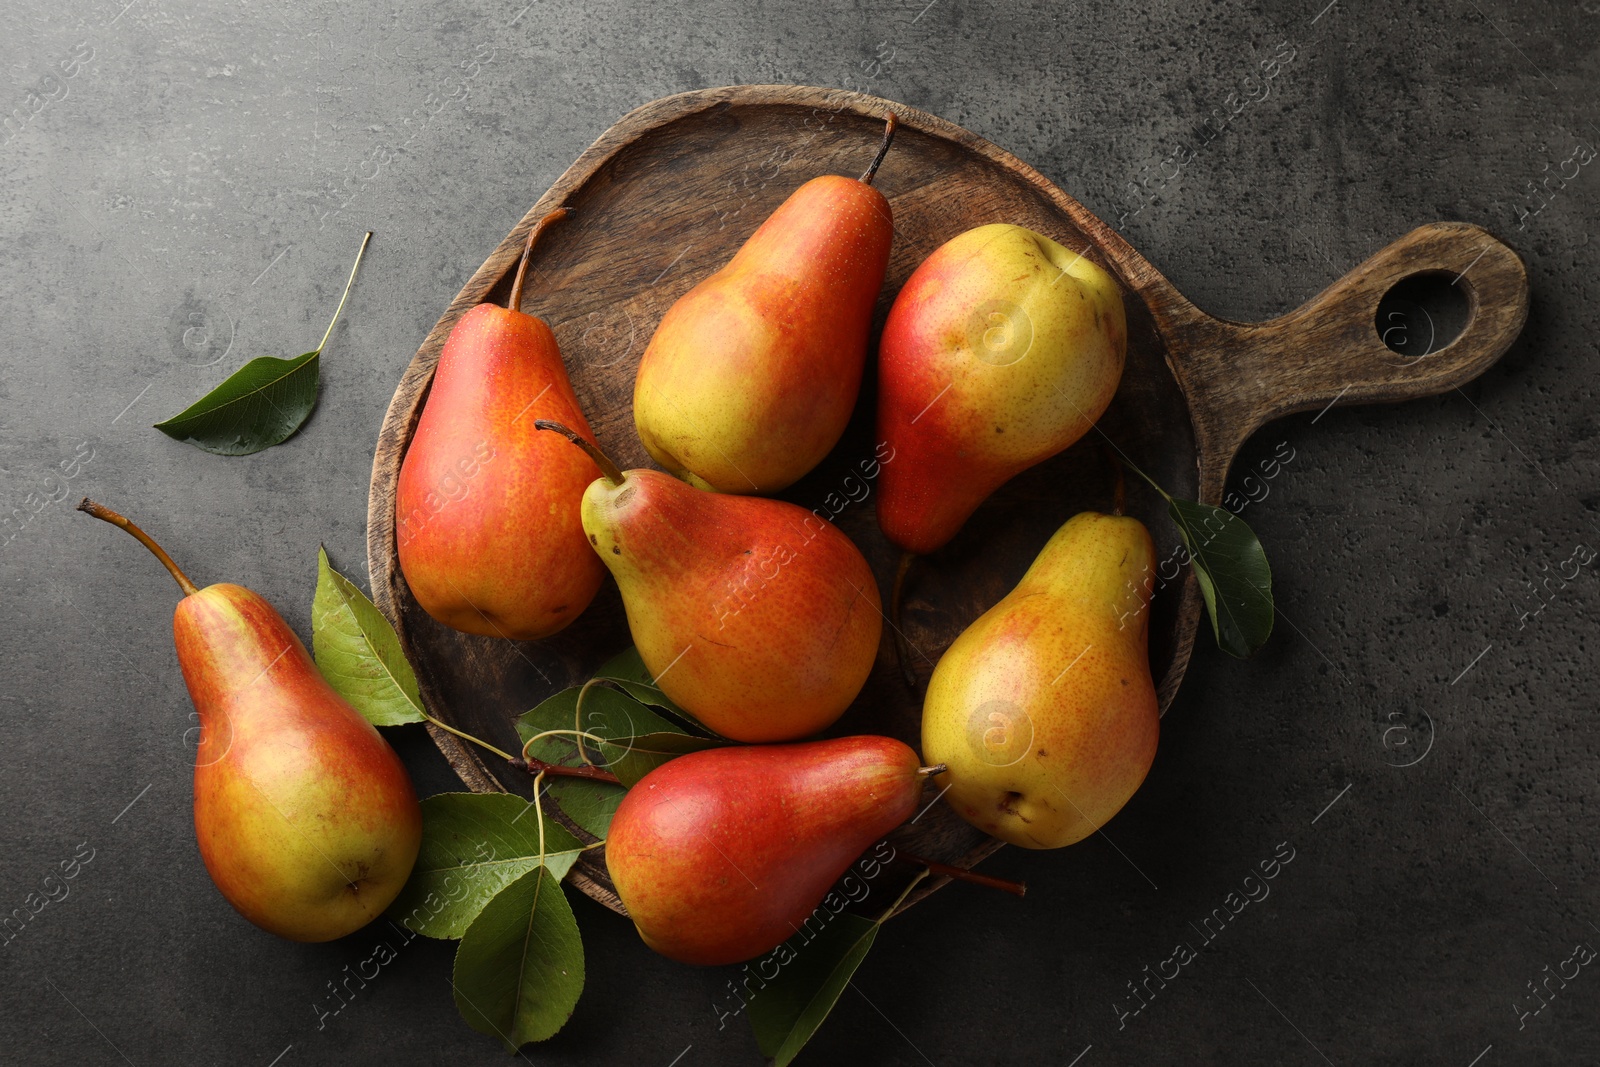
(1001, 350)
(305, 817)
(724, 854)
(752, 375)
(755, 616)
(486, 508)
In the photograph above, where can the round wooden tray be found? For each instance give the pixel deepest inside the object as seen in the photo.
(667, 195)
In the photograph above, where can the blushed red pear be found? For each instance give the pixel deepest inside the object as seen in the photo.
(724, 854)
(1000, 351)
(486, 508)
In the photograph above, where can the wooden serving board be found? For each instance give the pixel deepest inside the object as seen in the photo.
(667, 195)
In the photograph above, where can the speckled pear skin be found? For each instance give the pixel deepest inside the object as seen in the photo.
(757, 617)
(486, 508)
(1044, 709)
(724, 854)
(1000, 351)
(752, 375)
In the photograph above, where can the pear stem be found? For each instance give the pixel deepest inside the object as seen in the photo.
(607, 468)
(962, 874)
(902, 647)
(350, 281)
(1119, 485)
(100, 511)
(582, 734)
(577, 720)
(515, 303)
(535, 765)
(447, 728)
(889, 126)
(538, 810)
(937, 768)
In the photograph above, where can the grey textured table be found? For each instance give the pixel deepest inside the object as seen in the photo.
(185, 184)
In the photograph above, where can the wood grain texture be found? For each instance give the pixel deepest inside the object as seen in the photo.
(668, 194)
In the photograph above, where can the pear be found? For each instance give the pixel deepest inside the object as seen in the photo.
(1000, 351)
(486, 508)
(305, 817)
(755, 616)
(1043, 709)
(752, 375)
(724, 854)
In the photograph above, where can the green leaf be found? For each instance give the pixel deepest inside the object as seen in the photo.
(607, 712)
(259, 405)
(358, 652)
(627, 669)
(590, 804)
(262, 403)
(811, 977)
(473, 846)
(519, 970)
(637, 740)
(633, 758)
(1230, 566)
(1233, 573)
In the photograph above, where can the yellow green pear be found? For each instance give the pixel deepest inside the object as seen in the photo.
(1043, 709)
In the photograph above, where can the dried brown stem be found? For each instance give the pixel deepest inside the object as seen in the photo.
(100, 511)
(961, 874)
(1119, 485)
(889, 126)
(607, 468)
(535, 765)
(515, 303)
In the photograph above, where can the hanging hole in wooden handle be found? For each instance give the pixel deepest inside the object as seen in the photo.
(1423, 315)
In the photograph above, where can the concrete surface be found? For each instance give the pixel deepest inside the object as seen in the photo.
(184, 189)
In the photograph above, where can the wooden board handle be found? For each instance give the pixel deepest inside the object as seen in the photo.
(1239, 376)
